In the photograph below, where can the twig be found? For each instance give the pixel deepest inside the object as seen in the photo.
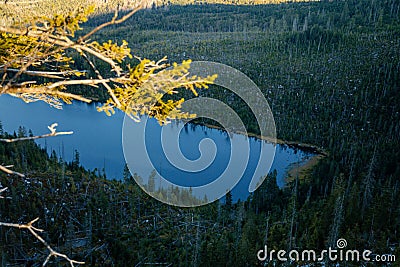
(34, 231)
(3, 190)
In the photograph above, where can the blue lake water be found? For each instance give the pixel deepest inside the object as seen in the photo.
(98, 138)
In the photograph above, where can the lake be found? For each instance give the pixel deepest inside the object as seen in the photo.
(98, 138)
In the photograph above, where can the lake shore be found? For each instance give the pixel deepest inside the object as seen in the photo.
(292, 144)
(301, 169)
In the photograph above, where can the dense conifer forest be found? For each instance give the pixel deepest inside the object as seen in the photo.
(331, 73)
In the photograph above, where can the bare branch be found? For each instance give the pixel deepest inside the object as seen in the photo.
(114, 21)
(52, 129)
(53, 132)
(34, 231)
(8, 171)
(3, 190)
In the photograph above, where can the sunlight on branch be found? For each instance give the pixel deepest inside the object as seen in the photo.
(43, 47)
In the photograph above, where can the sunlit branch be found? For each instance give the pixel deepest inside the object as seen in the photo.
(43, 90)
(46, 74)
(65, 44)
(109, 89)
(31, 60)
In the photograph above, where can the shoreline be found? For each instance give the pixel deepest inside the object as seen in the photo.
(292, 144)
(301, 169)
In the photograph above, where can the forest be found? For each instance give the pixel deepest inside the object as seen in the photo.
(331, 73)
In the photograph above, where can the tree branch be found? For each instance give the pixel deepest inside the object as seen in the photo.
(8, 171)
(109, 90)
(53, 132)
(44, 90)
(65, 44)
(3, 190)
(114, 21)
(46, 74)
(34, 231)
(52, 129)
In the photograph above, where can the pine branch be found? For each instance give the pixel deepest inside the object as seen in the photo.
(64, 43)
(109, 89)
(45, 74)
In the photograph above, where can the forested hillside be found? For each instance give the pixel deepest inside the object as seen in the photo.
(331, 73)
(16, 11)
